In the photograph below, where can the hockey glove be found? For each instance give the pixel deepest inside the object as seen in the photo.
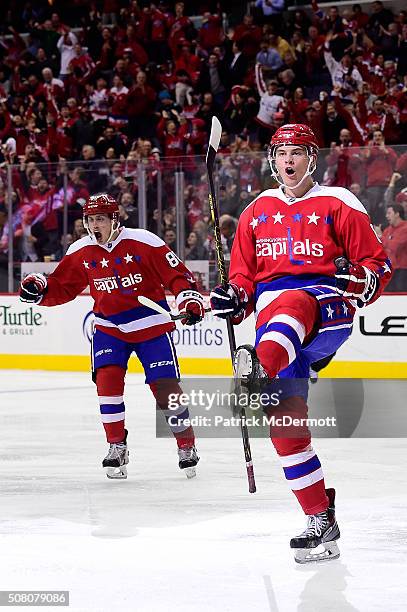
(190, 302)
(229, 302)
(33, 287)
(358, 282)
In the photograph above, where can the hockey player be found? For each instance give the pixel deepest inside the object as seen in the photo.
(118, 264)
(283, 267)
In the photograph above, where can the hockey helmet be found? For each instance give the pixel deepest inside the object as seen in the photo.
(102, 204)
(293, 134)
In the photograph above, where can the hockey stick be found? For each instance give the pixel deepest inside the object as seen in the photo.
(145, 301)
(214, 140)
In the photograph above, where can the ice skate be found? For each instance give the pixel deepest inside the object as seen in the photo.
(247, 367)
(188, 459)
(318, 541)
(116, 459)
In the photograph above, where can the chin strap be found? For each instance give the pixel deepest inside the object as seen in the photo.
(312, 164)
(115, 226)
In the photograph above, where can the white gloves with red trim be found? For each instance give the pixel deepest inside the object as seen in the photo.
(191, 302)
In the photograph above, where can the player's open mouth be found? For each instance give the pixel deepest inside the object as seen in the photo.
(98, 235)
(290, 171)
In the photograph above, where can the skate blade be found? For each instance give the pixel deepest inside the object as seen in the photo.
(328, 551)
(115, 473)
(190, 472)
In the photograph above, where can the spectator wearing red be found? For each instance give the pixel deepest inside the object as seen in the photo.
(394, 240)
(297, 106)
(160, 21)
(401, 166)
(172, 137)
(384, 117)
(249, 35)
(81, 65)
(64, 140)
(359, 16)
(5, 118)
(355, 120)
(380, 164)
(13, 48)
(345, 162)
(119, 103)
(110, 10)
(167, 76)
(41, 201)
(181, 28)
(188, 61)
(211, 32)
(141, 103)
(130, 41)
(195, 137)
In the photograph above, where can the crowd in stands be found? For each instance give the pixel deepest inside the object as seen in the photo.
(91, 90)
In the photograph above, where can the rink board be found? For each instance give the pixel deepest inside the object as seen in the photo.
(58, 338)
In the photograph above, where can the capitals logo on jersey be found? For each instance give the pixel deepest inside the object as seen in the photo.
(116, 282)
(276, 247)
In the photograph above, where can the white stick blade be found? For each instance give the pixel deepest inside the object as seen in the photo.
(216, 132)
(145, 301)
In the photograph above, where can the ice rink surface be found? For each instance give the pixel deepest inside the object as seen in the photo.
(157, 542)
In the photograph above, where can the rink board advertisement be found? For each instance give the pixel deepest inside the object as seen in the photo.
(58, 338)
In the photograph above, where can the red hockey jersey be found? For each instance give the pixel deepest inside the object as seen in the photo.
(279, 236)
(136, 263)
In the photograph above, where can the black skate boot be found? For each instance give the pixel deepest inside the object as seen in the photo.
(188, 459)
(248, 369)
(318, 541)
(116, 459)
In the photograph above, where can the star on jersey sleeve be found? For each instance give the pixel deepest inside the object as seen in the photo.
(360, 242)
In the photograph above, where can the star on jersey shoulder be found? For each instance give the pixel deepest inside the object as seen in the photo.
(254, 222)
(104, 262)
(278, 218)
(128, 258)
(345, 309)
(297, 217)
(386, 267)
(329, 311)
(85, 263)
(263, 218)
(313, 218)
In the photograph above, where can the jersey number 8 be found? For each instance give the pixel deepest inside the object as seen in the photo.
(172, 259)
